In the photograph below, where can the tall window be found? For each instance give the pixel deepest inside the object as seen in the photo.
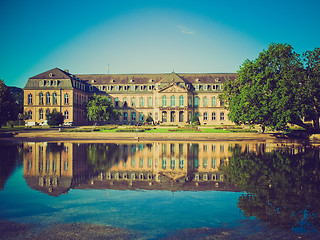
(66, 98)
(40, 114)
(47, 112)
(164, 101)
(205, 102)
(141, 102)
(222, 116)
(48, 98)
(29, 114)
(173, 101)
(133, 116)
(141, 117)
(30, 99)
(164, 116)
(214, 103)
(133, 102)
(54, 98)
(40, 98)
(149, 102)
(181, 101)
(205, 116)
(196, 101)
(125, 104)
(125, 116)
(190, 101)
(66, 115)
(213, 116)
(116, 102)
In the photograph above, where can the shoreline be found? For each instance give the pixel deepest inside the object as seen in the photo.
(56, 136)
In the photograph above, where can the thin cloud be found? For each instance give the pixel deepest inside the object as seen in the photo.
(186, 30)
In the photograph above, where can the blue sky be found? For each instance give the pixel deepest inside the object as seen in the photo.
(147, 36)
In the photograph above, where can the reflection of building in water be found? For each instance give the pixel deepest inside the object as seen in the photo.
(54, 168)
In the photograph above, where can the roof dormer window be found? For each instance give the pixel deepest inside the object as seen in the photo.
(112, 81)
(197, 80)
(132, 80)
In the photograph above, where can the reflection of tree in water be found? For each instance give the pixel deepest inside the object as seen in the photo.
(283, 188)
(101, 155)
(10, 157)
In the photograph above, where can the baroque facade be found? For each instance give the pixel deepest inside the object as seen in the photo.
(170, 99)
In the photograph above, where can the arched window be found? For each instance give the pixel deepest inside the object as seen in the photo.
(164, 116)
(54, 98)
(66, 115)
(29, 115)
(125, 103)
(40, 98)
(47, 112)
(181, 101)
(196, 101)
(190, 101)
(214, 102)
(40, 114)
(48, 98)
(30, 99)
(116, 102)
(205, 116)
(133, 116)
(205, 102)
(164, 101)
(141, 102)
(133, 102)
(173, 101)
(213, 116)
(66, 98)
(222, 116)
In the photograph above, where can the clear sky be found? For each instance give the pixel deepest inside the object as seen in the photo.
(147, 36)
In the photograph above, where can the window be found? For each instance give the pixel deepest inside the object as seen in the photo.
(205, 116)
(181, 101)
(133, 102)
(47, 112)
(141, 102)
(172, 163)
(221, 103)
(164, 163)
(173, 101)
(164, 116)
(190, 101)
(66, 98)
(205, 102)
(214, 103)
(164, 101)
(40, 98)
(222, 116)
(30, 99)
(205, 162)
(196, 101)
(125, 104)
(116, 102)
(197, 87)
(125, 116)
(48, 98)
(133, 116)
(54, 98)
(205, 87)
(66, 115)
(40, 114)
(29, 115)
(181, 163)
(149, 102)
(213, 116)
(141, 117)
(213, 163)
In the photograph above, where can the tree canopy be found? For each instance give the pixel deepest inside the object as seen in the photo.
(99, 108)
(55, 118)
(279, 88)
(8, 106)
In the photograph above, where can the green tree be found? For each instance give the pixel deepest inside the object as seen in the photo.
(99, 108)
(55, 118)
(282, 188)
(149, 119)
(8, 105)
(274, 90)
(195, 120)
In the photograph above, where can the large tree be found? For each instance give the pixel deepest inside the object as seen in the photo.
(55, 118)
(100, 109)
(276, 89)
(8, 105)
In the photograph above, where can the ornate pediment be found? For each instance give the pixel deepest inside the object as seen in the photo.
(173, 88)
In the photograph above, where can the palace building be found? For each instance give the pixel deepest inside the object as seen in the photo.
(170, 99)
